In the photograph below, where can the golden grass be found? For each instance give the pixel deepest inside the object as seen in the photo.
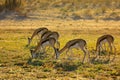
(14, 55)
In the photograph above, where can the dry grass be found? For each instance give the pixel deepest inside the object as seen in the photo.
(83, 9)
(59, 15)
(14, 55)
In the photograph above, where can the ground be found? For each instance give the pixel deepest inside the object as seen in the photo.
(14, 55)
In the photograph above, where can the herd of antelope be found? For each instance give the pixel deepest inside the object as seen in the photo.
(50, 38)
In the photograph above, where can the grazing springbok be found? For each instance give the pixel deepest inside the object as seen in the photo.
(55, 35)
(38, 32)
(102, 40)
(43, 36)
(75, 43)
(42, 45)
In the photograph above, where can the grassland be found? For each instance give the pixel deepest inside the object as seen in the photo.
(72, 19)
(14, 56)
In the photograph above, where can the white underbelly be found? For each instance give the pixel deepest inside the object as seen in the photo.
(53, 36)
(46, 44)
(103, 42)
(75, 46)
(40, 33)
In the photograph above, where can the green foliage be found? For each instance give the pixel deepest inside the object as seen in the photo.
(18, 6)
(12, 4)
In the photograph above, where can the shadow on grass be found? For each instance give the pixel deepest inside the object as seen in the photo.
(103, 57)
(35, 62)
(13, 15)
(68, 65)
(110, 19)
(98, 61)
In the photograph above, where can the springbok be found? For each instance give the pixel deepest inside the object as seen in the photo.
(42, 45)
(38, 32)
(75, 43)
(102, 40)
(54, 34)
(43, 36)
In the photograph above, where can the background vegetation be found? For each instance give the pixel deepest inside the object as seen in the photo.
(75, 9)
